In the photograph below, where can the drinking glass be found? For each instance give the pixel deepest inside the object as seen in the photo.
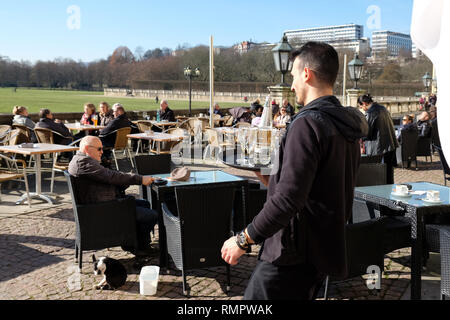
(95, 119)
(243, 141)
(144, 115)
(252, 142)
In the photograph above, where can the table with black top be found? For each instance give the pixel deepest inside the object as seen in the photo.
(415, 209)
(198, 178)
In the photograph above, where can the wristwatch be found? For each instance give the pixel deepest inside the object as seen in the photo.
(241, 241)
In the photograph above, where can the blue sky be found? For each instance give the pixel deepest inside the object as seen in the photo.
(38, 30)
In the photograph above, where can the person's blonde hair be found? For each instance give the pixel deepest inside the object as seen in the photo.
(18, 110)
(91, 106)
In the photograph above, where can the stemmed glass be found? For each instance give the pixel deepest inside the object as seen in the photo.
(251, 146)
(243, 141)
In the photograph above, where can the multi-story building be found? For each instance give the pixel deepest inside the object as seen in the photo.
(390, 43)
(246, 46)
(349, 36)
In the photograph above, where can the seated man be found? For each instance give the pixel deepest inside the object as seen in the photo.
(47, 122)
(407, 125)
(120, 121)
(107, 185)
(424, 125)
(166, 113)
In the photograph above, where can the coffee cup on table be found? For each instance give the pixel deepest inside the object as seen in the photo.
(401, 189)
(433, 195)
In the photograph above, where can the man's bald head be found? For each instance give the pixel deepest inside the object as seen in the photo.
(92, 146)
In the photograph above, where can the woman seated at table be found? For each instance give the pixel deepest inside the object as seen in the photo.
(22, 118)
(282, 117)
(105, 113)
(89, 113)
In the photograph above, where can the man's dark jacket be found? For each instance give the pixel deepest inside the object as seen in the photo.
(424, 128)
(311, 195)
(99, 183)
(47, 123)
(168, 115)
(381, 137)
(115, 124)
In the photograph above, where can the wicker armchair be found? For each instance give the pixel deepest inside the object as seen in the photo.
(121, 144)
(4, 134)
(149, 165)
(101, 225)
(215, 143)
(438, 240)
(444, 164)
(407, 152)
(424, 148)
(207, 209)
(12, 172)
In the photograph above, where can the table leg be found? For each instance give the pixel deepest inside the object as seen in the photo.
(38, 193)
(416, 254)
(156, 205)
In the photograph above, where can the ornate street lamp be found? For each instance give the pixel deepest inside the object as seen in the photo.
(355, 68)
(281, 54)
(427, 81)
(189, 74)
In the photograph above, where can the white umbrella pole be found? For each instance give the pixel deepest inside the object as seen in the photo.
(211, 82)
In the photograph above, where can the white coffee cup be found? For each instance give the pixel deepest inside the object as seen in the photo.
(401, 189)
(433, 195)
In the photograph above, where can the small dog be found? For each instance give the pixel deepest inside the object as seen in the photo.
(114, 273)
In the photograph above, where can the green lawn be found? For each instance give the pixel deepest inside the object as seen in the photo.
(73, 101)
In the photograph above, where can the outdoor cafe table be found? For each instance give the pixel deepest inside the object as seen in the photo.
(158, 137)
(415, 209)
(38, 150)
(198, 178)
(75, 127)
(163, 124)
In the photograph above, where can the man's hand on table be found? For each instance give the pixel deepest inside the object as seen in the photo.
(263, 179)
(146, 181)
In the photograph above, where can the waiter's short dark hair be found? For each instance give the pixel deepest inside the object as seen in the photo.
(321, 58)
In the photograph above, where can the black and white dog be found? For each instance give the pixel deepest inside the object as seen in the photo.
(114, 273)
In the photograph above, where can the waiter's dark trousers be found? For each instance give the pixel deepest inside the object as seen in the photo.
(270, 282)
(389, 159)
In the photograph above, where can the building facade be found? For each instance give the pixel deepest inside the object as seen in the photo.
(349, 37)
(390, 43)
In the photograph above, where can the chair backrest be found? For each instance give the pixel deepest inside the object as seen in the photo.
(213, 137)
(144, 125)
(196, 124)
(364, 246)
(177, 132)
(371, 174)
(25, 129)
(227, 121)
(18, 136)
(121, 138)
(102, 225)
(153, 164)
(242, 124)
(409, 144)
(205, 222)
(44, 135)
(444, 163)
(423, 147)
(4, 131)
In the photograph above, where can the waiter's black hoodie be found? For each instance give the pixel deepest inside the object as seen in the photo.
(311, 195)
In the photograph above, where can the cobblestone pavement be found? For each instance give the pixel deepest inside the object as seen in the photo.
(37, 261)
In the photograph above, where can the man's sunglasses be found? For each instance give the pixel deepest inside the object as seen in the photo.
(97, 148)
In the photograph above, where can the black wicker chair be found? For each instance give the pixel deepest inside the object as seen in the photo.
(195, 237)
(255, 202)
(101, 225)
(152, 164)
(424, 148)
(407, 152)
(444, 164)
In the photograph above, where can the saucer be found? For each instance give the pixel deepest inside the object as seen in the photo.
(432, 201)
(403, 195)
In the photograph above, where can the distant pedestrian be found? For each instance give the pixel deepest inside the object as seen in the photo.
(156, 99)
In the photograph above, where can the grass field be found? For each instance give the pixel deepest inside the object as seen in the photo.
(73, 101)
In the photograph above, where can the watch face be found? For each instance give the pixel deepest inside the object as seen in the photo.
(243, 239)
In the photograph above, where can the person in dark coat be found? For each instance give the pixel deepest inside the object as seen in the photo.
(381, 139)
(309, 201)
(102, 184)
(408, 125)
(105, 113)
(166, 113)
(120, 121)
(46, 121)
(289, 108)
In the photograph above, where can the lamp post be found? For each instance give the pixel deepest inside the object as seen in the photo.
(281, 54)
(355, 69)
(427, 81)
(189, 74)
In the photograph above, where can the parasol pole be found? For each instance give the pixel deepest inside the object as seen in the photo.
(211, 82)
